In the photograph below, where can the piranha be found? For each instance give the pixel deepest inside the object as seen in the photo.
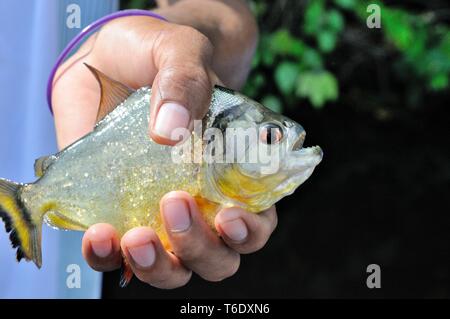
(116, 174)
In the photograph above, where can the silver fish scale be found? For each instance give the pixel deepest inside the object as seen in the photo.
(222, 100)
(116, 173)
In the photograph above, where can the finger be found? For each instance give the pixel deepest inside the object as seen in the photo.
(193, 241)
(101, 247)
(246, 232)
(150, 262)
(182, 88)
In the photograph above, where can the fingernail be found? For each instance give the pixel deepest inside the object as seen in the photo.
(170, 117)
(236, 230)
(143, 255)
(177, 215)
(102, 249)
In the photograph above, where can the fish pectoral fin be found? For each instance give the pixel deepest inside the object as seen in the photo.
(42, 164)
(55, 219)
(112, 93)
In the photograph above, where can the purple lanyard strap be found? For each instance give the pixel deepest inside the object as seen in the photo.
(86, 31)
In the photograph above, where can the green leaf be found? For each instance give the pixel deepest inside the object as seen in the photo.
(282, 42)
(346, 4)
(256, 60)
(258, 7)
(254, 84)
(398, 28)
(436, 61)
(273, 103)
(335, 21)
(318, 87)
(311, 59)
(418, 46)
(445, 44)
(313, 17)
(137, 4)
(439, 82)
(259, 80)
(250, 90)
(327, 41)
(267, 57)
(285, 76)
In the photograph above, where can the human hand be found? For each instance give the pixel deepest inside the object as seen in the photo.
(195, 246)
(179, 63)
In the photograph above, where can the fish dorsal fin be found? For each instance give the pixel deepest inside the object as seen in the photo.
(112, 93)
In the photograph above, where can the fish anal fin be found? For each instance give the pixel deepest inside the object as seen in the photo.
(55, 219)
(126, 273)
(112, 93)
(42, 163)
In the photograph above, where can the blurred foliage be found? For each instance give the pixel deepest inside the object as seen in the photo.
(294, 48)
(310, 49)
(137, 4)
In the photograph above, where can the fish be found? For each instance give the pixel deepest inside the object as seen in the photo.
(240, 154)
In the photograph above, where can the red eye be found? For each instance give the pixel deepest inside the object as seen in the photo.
(271, 134)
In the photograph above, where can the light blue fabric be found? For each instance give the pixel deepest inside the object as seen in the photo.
(32, 33)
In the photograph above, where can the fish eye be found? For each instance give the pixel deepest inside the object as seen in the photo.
(270, 133)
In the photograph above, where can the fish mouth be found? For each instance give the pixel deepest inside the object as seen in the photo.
(299, 166)
(304, 159)
(307, 156)
(299, 141)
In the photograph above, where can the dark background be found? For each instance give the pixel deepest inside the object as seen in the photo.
(381, 194)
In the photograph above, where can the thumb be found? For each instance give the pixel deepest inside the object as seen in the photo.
(180, 95)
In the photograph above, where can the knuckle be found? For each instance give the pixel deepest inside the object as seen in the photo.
(266, 230)
(150, 276)
(143, 276)
(261, 238)
(274, 222)
(223, 273)
(194, 44)
(165, 278)
(190, 76)
(258, 244)
(273, 219)
(171, 283)
(187, 251)
(253, 245)
(194, 36)
(268, 223)
(194, 75)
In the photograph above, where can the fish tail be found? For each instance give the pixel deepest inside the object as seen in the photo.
(25, 234)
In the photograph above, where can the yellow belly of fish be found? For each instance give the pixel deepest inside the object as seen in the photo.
(207, 208)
